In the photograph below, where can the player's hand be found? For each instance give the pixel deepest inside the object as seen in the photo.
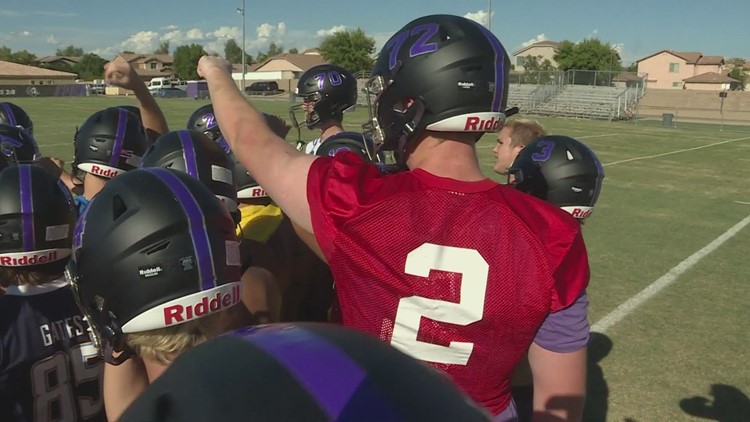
(211, 64)
(120, 73)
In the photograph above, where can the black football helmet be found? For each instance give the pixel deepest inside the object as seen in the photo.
(560, 170)
(192, 152)
(109, 143)
(204, 120)
(332, 90)
(349, 141)
(154, 249)
(133, 109)
(37, 217)
(441, 73)
(18, 144)
(13, 115)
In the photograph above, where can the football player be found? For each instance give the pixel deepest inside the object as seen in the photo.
(327, 91)
(270, 238)
(109, 143)
(156, 270)
(13, 115)
(195, 154)
(18, 142)
(301, 372)
(565, 172)
(415, 254)
(514, 136)
(49, 369)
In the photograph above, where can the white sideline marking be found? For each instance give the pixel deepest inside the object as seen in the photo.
(664, 281)
(741, 202)
(576, 137)
(675, 152)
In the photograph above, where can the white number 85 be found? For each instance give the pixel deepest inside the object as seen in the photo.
(474, 269)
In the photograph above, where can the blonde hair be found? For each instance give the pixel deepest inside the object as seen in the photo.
(165, 344)
(33, 275)
(524, 131)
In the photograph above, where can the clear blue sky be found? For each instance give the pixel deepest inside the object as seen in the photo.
(640, 27)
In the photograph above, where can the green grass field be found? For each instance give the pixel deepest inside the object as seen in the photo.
(667, 194)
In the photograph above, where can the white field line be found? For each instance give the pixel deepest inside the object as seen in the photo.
(665, 281)
(742, 202)
(675, 152)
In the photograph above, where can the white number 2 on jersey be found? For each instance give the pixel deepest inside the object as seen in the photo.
(474, 269)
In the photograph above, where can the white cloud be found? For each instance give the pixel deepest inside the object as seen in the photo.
(322, 33)
(52, 40)
(194, 34)
(174, 37)
(281, 29)
(538, 38)
(619, 48)
(141, 42)
(265, 30)
(26, 34)
(480, 16)
(170, 27)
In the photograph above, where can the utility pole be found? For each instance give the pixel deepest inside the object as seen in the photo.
(241, 11)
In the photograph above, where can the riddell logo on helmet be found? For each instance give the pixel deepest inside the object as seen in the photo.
(104, 172)
(477, 124)
(177, 314)
(580, 213)
(33, 259)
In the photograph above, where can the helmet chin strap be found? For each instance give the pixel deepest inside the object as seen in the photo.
(409, 133)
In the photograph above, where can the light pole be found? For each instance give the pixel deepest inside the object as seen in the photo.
(489, 15)
(241, 11)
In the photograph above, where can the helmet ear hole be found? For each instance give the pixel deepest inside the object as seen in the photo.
(118, 207)
(158, 247)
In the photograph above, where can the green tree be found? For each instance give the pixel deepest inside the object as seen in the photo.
(589, 54)
(274, 50)
(163, 48)
(632, 68)
(233, 53)
(537, 71)
(70, 50)
(293, 50)
(24, 57)
(186, 61)
(351, 50)
(738, 72)
(261, 57)
(90, 67)
(6, 54)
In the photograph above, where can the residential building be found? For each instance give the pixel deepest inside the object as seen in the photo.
(543, 50)
(671, 69)
(14, 74)
(149, 66)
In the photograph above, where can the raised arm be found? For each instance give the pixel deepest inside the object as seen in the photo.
(276, 165)
(120, 73)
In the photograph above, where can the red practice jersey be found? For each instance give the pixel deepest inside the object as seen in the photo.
(457, 274)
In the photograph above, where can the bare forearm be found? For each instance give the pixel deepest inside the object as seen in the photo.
(151, 114)
(559, 384)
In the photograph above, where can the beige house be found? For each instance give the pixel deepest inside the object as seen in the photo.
(669, 69)
(542, 50)
(19, 74)
(285, 69)
(149, 66)
(53, 61)
(711, 81)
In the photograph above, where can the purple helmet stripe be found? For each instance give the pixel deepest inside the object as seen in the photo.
(196, 224)
(122, 122)
(499, 67)
(327, 373)
(80, 228)
(9, 113)
(600, 174)
(188, 153)
(27, 208)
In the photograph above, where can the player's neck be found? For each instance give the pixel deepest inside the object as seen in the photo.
(329, 130)
(446, 158)
(92, 185)
(153, 369)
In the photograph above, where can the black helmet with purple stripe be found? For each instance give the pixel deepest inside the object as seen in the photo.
(109, 143)
(13, 115)
(37, 215)
(439, 73)
(18, 144)
(197, 155)
(301, 372)
(154, 249)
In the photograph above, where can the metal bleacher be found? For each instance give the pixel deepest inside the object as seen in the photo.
(583, 101)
